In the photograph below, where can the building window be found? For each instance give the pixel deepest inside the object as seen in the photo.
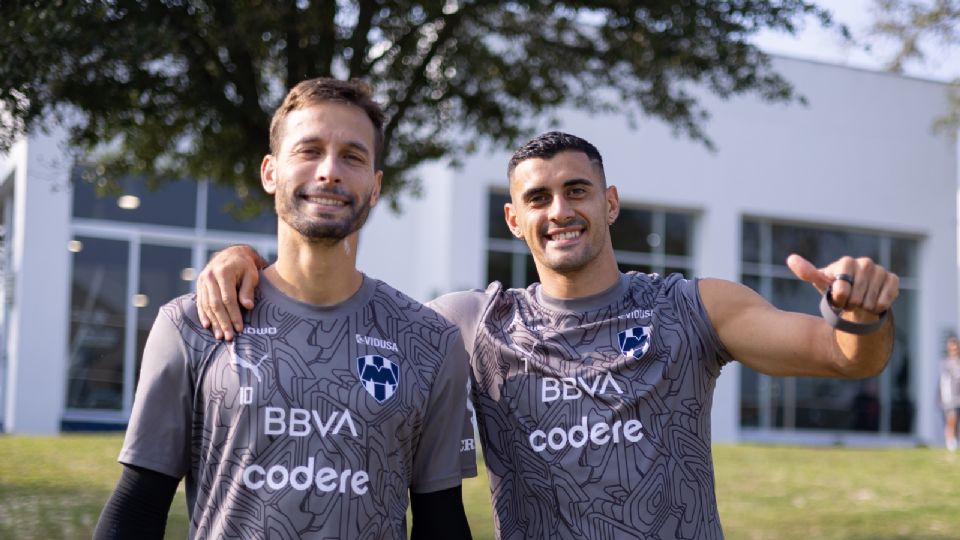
(171, 203)
(98, 315)
(881, 404)
(646, 240)
(222, 205)
(131, 256)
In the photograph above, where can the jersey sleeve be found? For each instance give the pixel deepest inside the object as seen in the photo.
(464, 309)
(158, 435)
(684, 294)
(444, 456)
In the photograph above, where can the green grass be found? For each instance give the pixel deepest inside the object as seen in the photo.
(54, 488)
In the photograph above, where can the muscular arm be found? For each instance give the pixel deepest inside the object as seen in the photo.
(784, 343)
(138, 507)
(439, 515)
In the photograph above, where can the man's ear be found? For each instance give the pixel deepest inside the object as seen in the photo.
(613, 204)
(375, 195)
(510, 215)
(268, 174)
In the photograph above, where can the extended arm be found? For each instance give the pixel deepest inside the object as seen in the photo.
(784, 343)
(439, 515)
(138, 507)
(236, 267)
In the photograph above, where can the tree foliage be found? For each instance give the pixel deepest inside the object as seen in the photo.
(178, 88)
(917, 27)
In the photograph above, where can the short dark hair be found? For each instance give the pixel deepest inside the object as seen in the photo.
(322, 89)
(551, 143)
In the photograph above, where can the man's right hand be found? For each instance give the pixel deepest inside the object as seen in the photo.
(235, 268)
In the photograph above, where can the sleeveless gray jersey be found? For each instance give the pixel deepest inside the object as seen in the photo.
(594, 414)
(313, 423)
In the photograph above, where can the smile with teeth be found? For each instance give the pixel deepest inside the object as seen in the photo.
(566, 235)
(326, 201)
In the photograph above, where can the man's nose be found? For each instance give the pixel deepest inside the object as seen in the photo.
(560, 210)
(328, 169)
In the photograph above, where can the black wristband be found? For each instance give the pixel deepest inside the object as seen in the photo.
(831, 314)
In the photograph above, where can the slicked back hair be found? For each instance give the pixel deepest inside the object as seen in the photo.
(322, 90)
(551, 143)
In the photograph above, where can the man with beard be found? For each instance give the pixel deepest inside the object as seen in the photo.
(340, 396)
(593, 388)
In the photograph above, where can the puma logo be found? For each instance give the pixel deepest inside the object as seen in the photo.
(244, 363)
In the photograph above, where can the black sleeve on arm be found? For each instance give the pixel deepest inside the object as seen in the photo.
(439, 515)
(138, 507)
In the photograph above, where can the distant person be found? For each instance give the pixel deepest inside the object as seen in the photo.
(342, 400)
(593, 388)
(950, 391)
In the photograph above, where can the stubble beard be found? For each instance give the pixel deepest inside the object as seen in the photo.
(323, 229)
(571, 263)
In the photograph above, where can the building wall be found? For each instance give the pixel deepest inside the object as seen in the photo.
(35, 283)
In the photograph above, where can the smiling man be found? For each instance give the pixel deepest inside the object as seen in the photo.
(342, 396)
(593, 388)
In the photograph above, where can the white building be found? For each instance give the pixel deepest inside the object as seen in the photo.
(858, 171)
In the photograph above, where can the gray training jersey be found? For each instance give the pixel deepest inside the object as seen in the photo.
(313, 423)
(594, 414)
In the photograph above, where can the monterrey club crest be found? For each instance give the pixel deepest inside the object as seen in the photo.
(379, 376)
(635, 341)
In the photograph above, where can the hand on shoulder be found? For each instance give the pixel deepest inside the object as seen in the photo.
(228, 281)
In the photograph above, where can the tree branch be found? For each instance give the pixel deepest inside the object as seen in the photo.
(360, 40)
(326, 46)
